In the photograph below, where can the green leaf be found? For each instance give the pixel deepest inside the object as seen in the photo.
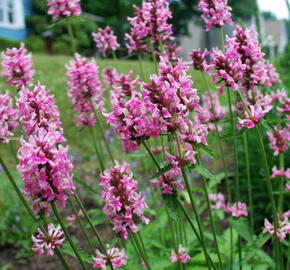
(207, 174)
(242, 227)
(266, 125)
(266, 258)
(97, 220)
(161, 264)
(162, 171)
(200, 258)
(206, 150)
(172, 206)
(66, 248)
(232, 135)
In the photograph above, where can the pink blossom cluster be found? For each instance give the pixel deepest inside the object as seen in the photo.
(169, 97)
(150, 23)
(281, 97)
(280, 173)
(283, 226)
(215, 13)
(198, 59)
(171, 52)
(212, 110)
(217, 201)
(41, 243)
(84, 89)
(105, 40)
(109, 76)
(63, 8)
(129, 120)
(258, 105)
(244, 46)
(122, 203)
(8, 118)
(115, 257)
(17, 67)
(38, 110)
(45, 169)
(279, 139)
(180, 256)
(237, 209)
(125, 86)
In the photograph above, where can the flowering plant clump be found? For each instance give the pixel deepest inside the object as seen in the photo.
(115, 257)
(84, 89)
(37, 110)
(8, 118)
(41, 242)
(63, 8)
(17, 67)
(180, 256)
(215, 13)
(122, 203)
(105, 41)
(45, 169)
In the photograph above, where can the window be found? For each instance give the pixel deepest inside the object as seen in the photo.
(12, 14)
(10, 11)
(1, 10)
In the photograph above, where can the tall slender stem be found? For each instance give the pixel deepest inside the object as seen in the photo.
(67, 235)
(70, 32)
(13, 151)
(96, 148)
(116, 61)
(141, 67)
(154, 57)
(281, 184)
(82, 226)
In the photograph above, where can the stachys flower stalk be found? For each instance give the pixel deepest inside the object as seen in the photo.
(105, 40)
(215, 13)
(84, 89)
(45, 169)
(63, 8)
(123, 205)
(17, 67)
(41, 243)
(279, 139)
(8, 118)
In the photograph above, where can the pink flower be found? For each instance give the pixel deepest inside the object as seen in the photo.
(45, 169)
(280, 173)
(115, 257)
(63, 8)
(287, 187)
(8, 118)
(198, 60)
(109, 76)
(17, 67)
(41, 243)
(279, 140)
(237, 209)
(84, 89)
(122, 203)
(125, 86)
(73, 217)
(38, 110)
(215, 13)
(212, 109)
(143, 264)
(218, 201)
(281, 97)
(283, 227)
(180, 256)
(150, 22)
(171, 52)
(106, 42)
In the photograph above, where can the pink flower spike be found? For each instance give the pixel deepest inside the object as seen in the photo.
(218, 201)
(41, 243)
(106, 41)
(63, 8)
(237, 209)
(215, 13)
(109, 76)
(279, 140)
(181, 256)
(198, 60)
(115, 257)
(8, 118)
(17, 67)
(122, 203)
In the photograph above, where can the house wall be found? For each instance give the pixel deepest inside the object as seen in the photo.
(16, 31)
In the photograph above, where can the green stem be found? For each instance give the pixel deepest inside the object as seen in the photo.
(141, 67)
(141, 251)
(154, 58)
(70, 32)
(67, 235)
(102, 132)
(90, 222)
(249, 180)
(82, 226)
(96, 148)
(13, 151)
(28, 209)
(281, 184)
(116, 61)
